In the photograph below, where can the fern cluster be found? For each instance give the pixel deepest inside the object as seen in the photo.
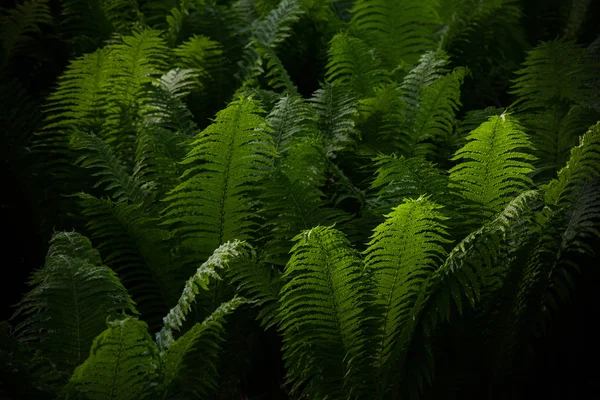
(430, 184)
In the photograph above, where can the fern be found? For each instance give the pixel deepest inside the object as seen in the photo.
(399, 178)
(493, 167)
(18, 24)
(292, 120)
(221, 257)
(269, 32)
(536, 85)
(182, 372)
(433, 121)
(322, 312)
(114, 175)
(336, 110)
(404, 251)
(123, 364)
(226, 160)
(134, 246)
(72, 296)
(353, 66)
(399, 31)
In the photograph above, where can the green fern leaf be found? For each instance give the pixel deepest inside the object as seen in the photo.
(123, 364)
(493, 167)
(400, 30)
(182, 370)
(73, 295)
(403, 253)
(399, 178)
(221, 257)
(292, 120)
(354, 66)
(213, 203)
(322, 313)
(336, 110)
(18, 24)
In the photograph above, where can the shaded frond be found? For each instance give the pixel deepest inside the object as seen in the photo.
(353, 65)
(269, 32)
(400, 31)
(123, 365)
(554, 73)
(135, 247)
(291, 120)
(431, 66)
(493, 167)
(432, 121)
(336, 110)
(72, 296)
(19, 23)
(322, 313)
(111, 172)
(399, 178)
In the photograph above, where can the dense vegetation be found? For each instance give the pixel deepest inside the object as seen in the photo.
(295, 199)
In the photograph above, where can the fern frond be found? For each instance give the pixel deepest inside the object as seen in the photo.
(269, 32)
(400, 31)
(493, 167)
(433, 120)
(72, 296)
(221, 257)
(261, 283)
(123, 364)
(431, 66)
(336, 110)
(213, 203)
(403, 253)
(352, 65)
(537, 85)
(322, 313)
(134, 246)
(113, 174)
(183, 373)
(279, 79)
(470, 122)
(292, 120)
(399, 178)
(19, 23)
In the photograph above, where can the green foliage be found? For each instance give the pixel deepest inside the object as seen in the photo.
(400, 31)
(404, 251)
(363, 172)
(213, 203)
(493, 167)
(123, 364)
(72, 295)
(322, 313)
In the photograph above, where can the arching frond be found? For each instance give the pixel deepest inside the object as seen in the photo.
(353, 66)
(493, 167)
(322, 313)
(403, 253)
(431, 66)
(123, 365)
(221, 257)
(400, 30)
(213, 204)
(97, 155)
(269, 32)
(72, 296)
(189, 363)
